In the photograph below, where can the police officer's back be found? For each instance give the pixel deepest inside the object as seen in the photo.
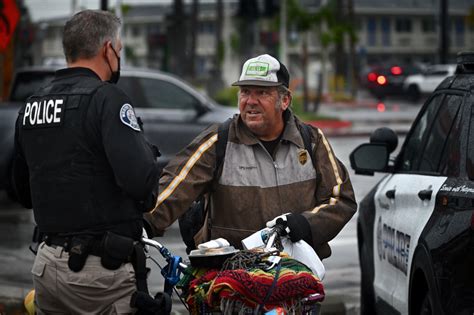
(84, 166)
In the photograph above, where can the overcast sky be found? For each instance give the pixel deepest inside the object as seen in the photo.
(41, 9)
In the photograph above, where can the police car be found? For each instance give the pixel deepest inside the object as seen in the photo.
(416, 227)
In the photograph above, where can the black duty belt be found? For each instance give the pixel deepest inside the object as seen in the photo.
(96, 248)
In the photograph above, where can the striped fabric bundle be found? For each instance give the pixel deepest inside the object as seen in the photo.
(254, 287)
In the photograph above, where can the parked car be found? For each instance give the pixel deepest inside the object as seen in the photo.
(387, 80)
(416, 226)
(425, 83)
(173, 112)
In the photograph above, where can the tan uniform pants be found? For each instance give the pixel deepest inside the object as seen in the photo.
(93, 290)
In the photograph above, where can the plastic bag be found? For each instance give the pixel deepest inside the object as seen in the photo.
(304, 253)
(300, 251)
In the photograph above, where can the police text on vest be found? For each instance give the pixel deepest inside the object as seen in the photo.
(44, 112)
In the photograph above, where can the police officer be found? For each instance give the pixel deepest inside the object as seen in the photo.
(84, 166)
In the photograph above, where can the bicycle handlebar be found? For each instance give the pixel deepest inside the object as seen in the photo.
(163, 250)
(277, 231)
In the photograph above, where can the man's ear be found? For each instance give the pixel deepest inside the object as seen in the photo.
(286, 101)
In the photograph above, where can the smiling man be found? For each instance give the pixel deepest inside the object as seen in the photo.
(274, 166)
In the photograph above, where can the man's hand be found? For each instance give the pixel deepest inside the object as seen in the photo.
(295, 226)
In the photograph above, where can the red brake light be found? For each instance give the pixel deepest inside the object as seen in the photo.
(396, 70)
(381, 107)
(372, 77)
(381, 79)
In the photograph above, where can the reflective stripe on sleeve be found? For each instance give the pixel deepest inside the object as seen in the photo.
(336, 189)
(185, 171)
(316, 210)
(332, 159)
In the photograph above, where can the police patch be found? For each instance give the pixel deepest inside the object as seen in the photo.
(127, 116)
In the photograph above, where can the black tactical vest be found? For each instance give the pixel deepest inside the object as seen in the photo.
(72, 185)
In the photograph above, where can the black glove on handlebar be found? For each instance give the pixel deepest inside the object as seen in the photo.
(296, 227)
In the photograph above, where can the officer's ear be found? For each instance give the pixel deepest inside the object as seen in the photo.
(103, 50)
(106, 48)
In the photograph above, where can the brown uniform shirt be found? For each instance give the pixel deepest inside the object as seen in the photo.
(254, 187)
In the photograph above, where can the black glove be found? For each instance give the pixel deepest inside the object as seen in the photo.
(296, 227)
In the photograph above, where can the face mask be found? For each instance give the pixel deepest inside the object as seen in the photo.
(115, 76)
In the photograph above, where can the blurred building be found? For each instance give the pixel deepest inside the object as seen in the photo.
(402, 30)
(407, 30)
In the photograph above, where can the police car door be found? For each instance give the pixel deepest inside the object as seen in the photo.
(387, 260)
(419, 181)
(385, 275)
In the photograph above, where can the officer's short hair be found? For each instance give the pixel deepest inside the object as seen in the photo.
(87, 31)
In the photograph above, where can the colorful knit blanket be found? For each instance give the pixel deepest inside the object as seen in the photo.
(253, 288)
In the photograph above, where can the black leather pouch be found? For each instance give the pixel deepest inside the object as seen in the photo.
(78, 251)
(117, 250)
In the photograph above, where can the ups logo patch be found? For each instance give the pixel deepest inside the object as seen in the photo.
(302, 156)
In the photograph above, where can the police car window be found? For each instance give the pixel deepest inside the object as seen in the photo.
(436, 143)
(410, 156)
(162, 94)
